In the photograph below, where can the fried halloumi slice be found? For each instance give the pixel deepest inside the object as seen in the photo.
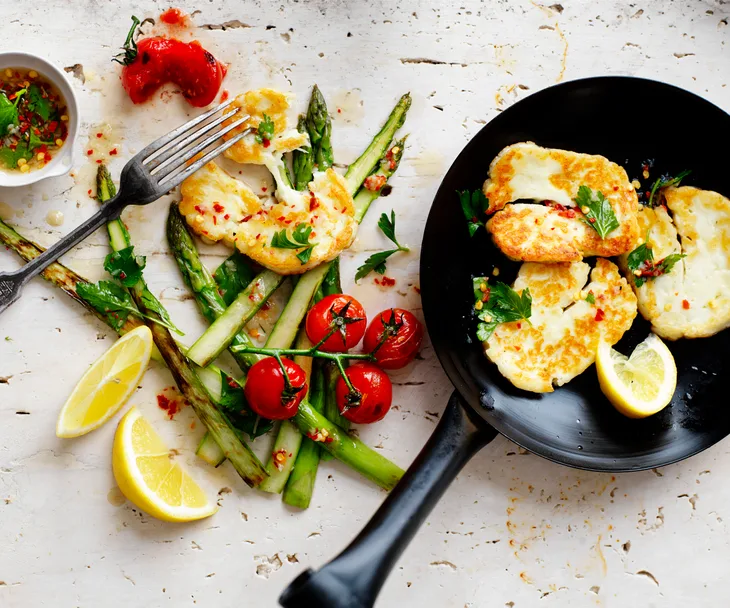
(693, 299)
(221, 208)
(539, 233)
(275, 105)
(562, 336)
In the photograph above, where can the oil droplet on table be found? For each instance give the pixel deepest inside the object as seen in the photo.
(55, 218)
(347, 106)
(115, 497)
(6, 212)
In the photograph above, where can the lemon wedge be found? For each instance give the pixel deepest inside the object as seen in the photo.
(642, 383)
(107, 384)
(149, 478)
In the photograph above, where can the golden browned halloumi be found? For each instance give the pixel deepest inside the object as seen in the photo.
(693, 299)
(222, 208)
(275, 105)
(538, 233)
(564, 331)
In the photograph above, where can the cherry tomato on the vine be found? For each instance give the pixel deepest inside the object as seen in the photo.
(396, 336)
(266, 390)
(340, 314)
(375, 393)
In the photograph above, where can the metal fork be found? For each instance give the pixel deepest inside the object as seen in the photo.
(146, 177)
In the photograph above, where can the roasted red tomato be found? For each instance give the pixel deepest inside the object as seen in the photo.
(152, 62)
(373, 397)
(343, 315)
(266, 390)
(394, 336)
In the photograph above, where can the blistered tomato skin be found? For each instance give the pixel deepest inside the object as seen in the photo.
(397, 350)
(265, 384)
(187, 64)
(320, 318)
(376, 390)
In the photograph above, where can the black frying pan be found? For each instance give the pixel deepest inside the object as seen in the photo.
(628, 120)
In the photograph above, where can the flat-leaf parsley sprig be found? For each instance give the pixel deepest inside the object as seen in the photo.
(498, 303)
(597, 210)
(474, 205)
(665, 182)
(641, 263)
(376, 261)
(299, 238)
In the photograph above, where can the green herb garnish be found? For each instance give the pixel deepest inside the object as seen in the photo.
(498, 303)
(38, 104)
(590, 298)
(233, 276)
(113, 301)
(11, 157)
(665, 182)
(9, 111)
(598, 212)
(265, 130)
(125, 266)
(376, 261)
(300, 238)
(641, 260)
(474, 205)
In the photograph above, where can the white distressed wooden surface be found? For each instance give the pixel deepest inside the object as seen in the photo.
(514, 530)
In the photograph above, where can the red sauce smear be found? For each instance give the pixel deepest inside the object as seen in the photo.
(161, 60)
(174, 16)
(172, 404)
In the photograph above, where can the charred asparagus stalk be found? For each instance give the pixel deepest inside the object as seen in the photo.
(245, 462)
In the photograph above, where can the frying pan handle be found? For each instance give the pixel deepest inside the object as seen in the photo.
(354, 578)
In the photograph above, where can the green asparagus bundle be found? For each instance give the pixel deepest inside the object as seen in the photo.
(245, 462)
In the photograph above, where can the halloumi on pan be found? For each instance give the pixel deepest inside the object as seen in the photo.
(692, 300)
(556, 232)
(569, 318)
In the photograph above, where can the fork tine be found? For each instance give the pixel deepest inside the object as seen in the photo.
(181, 158)
(168, 182)
(155, 165)
(166, 139)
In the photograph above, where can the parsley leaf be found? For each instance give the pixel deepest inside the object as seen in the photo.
(498, 303)
(300, 236)
(125, 266)
(598, 211)
(152, 303)
(109, 299)
(641, 261)
(474, 205)
(9, 111)
(8, 114)
(116, 304)
(233, 276)
(376, 261)
(590, 298)
(265, 130)
(11, 157)
(37, 103)
(665, 182)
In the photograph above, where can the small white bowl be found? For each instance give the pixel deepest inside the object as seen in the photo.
(62, 161)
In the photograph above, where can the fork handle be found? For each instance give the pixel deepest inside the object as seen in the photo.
(110, 211)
